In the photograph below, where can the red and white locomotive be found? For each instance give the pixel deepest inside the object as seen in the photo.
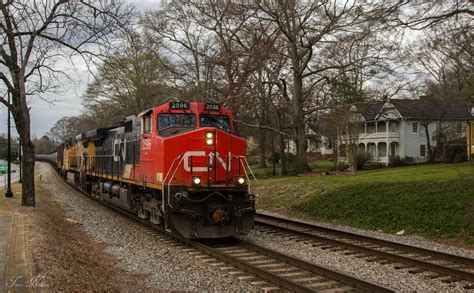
(178, 165)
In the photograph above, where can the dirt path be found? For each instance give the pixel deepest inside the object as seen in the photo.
(65, 256)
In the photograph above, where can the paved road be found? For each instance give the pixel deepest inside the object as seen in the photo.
(15, 175)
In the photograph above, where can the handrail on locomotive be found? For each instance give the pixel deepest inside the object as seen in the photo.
(241, 160)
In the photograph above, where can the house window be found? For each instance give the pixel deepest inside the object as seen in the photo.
(371, 127)
(414, 127)
(393, 126)
(422, 150)
(381, 126)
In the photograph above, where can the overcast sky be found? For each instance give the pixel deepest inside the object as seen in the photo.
(67, 102)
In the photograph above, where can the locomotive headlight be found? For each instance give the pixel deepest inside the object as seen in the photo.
(240, 180)
(197, 180)
(209, 138)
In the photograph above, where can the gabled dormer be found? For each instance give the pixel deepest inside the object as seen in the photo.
(388, 112)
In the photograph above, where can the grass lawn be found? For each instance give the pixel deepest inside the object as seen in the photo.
(268, 172)
(429, 200)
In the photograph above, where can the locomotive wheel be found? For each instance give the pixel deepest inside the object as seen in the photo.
(154, 217)
(76, 179)
(142, 214)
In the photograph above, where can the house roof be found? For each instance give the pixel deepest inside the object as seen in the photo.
(417, 108)
(410, 108)
(370, 111)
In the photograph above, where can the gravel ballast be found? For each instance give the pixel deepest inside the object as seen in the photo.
(140, 250)
(387, 275)
(164, 266)
(413, 240)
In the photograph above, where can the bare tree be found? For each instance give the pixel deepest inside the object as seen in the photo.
(422, 14)
(224, 47)
(44, 145)
(127, 83)
(34, 35)
(174, 33)
(307, 29)
(202, 38)
(69, 126)
(446, 55)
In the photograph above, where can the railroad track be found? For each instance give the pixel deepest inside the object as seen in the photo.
(262, 267)
(448, 267)
(286, 271)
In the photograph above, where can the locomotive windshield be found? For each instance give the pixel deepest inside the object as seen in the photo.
(173, 123)
(217, 121)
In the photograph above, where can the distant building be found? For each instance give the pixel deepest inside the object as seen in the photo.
(319, 146)
(399, 127)
(470, 135)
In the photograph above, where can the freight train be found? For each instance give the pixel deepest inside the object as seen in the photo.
(179, 165)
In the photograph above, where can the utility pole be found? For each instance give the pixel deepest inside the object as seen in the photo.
(8, 192)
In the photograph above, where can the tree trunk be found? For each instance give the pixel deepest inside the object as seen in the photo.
(335, 157)
(21, 113)
(273, 155)
(283, 165)
(301, 165)
(262, 147)
(428, 144)
(28, 173)
(22, 120)
(351, 155)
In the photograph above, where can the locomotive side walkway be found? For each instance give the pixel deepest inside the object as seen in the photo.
(16, 269)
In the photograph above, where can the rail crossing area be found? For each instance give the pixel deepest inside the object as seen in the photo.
(71, 242)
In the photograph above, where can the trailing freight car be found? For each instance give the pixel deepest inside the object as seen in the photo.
(179, 165)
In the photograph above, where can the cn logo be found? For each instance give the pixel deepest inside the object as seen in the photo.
(203, 154)
(119, 149)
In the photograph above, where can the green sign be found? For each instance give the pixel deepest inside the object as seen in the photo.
(3, 167)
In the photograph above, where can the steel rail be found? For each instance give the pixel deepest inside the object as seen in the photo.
(338, 276)
(247, 266)
(436, 255)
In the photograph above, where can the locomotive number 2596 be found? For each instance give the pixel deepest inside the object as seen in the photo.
(179, 105)
(213, 107)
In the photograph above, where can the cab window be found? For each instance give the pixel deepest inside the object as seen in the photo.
(218, 121)
(174, 123)
(146, 124)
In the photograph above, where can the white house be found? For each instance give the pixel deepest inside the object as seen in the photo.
(316, 142)
(397, 127)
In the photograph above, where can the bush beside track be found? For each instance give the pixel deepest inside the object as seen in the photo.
(436, 201)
